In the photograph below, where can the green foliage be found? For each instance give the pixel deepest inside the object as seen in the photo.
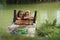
(46, 28)
(54, 22)
(2, 1)
(51, 24)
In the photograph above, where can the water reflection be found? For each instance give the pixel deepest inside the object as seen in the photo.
(50, 16)
(58, 17)
(43, 16)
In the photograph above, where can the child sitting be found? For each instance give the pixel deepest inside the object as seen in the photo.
(28, 17)
(13, 27)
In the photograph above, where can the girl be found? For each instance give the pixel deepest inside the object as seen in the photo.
(19, 17)
(28, 17)
(14, 26)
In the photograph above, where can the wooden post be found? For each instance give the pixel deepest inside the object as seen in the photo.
(34, 21)
(14, 18)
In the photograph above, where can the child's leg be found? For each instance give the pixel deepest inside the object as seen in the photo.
(13, 27)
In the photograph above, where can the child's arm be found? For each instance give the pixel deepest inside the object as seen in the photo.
(18, 18)
(26, 17)
(29, 17)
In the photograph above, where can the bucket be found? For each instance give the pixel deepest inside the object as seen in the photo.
(23, 31)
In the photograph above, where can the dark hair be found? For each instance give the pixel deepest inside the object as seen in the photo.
(19, 13)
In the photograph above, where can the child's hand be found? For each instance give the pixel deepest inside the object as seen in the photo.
(18, 18)
(26, 17)
(31, 17)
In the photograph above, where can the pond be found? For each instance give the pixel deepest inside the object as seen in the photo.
(47, 11)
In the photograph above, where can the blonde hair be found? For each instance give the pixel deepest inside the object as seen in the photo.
(28, 11)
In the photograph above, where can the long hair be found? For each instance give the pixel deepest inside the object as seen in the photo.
(19, 13)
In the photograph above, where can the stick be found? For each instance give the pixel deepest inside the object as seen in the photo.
(14, 18)
(34, 21)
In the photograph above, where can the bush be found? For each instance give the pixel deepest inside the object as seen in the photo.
(46, 28)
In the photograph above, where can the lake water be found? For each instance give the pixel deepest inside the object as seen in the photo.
(45, 11)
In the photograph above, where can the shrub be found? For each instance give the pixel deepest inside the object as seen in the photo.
(46, 28)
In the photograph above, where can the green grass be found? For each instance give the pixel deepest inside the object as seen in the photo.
(6, 17)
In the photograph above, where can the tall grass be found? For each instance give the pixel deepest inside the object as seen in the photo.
(49, 30)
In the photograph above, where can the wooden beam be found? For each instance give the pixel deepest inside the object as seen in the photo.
(14, 18)
(34, 21)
